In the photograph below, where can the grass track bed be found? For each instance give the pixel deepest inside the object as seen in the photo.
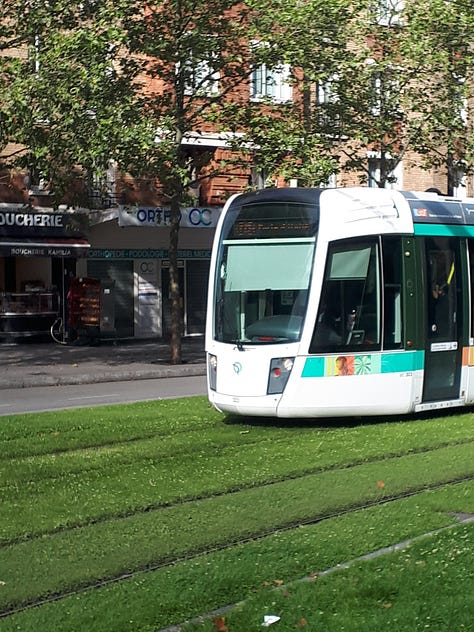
(42, 433)
(109, 550)
(79, 500)
(195, 490)
(375, 594)
(175, 593)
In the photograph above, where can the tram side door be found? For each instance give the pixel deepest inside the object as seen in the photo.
(443, 319)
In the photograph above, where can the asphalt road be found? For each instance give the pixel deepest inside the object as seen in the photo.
(42, 398)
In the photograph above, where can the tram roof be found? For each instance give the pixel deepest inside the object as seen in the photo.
(285, 194)
(426, 207)
(437, 209)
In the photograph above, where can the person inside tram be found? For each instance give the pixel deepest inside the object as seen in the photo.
(441, 324)
(326, 331)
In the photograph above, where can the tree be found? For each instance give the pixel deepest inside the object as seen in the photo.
(362, 107)
(144, 86)
(65, 98)
(197, 61)
(402, 88)
(187, 56)
(140, 85)
(440, 38)
(311, 38)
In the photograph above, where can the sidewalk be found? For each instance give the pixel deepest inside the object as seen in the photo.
(25, 364)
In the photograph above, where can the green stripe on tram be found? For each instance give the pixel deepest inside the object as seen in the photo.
(313, 367)
(366, 363)
(444, 230)
(403, 361)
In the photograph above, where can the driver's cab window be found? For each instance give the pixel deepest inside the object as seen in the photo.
(349, 312)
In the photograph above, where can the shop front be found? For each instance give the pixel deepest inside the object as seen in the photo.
(129, 247)
(39, 250)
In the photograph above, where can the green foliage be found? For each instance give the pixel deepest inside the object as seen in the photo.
(78, 101)
(88, 84)
(414, 74)
(64, 99)
(440, 35)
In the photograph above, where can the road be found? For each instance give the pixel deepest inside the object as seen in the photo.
(42, 398)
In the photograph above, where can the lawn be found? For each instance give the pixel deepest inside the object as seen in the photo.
(140, 517)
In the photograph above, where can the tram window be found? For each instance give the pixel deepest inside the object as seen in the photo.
(392, 274)
(442, 312)
(262, 291)
(349, 312)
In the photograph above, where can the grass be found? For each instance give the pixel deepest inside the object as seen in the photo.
(181, 511)
(375, 594)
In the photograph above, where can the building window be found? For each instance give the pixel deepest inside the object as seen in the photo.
(327, 91)
(394, 175)
(201, 79)
(384, 89)
(270, 81)
(199, 72)
(386, 12)
(376, 91)
(327, 101)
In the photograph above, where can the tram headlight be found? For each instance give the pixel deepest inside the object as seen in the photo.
(280, 369)
(212, 371)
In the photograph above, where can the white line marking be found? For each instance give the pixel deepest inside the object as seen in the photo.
(72, 399)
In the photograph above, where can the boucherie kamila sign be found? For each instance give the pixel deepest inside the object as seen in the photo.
(29, 223)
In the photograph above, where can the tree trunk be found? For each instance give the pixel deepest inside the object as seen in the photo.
(175, 293)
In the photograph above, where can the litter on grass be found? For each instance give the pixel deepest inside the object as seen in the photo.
(268, 619)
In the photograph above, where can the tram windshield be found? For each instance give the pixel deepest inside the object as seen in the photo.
(264, 272)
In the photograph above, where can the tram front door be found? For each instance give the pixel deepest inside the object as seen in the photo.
(443, 351)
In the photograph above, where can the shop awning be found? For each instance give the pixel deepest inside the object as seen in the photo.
(44, 247)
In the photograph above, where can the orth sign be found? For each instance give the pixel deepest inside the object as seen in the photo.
(157, 216)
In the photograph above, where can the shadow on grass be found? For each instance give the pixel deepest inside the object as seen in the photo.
(331, 423)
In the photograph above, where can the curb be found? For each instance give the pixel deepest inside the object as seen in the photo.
(99, 376)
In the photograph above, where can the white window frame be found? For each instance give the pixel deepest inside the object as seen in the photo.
(271, 83)
(327, 90)
(373, 170)
(202, 78)
(387, 12)
(376, 87)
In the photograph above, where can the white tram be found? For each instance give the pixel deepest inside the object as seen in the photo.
(330, 302)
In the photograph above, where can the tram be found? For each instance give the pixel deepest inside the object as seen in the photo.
(345, 301)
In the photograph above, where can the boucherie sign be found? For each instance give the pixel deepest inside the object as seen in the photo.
(22, 223)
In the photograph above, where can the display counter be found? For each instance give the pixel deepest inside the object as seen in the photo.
(27, 313)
